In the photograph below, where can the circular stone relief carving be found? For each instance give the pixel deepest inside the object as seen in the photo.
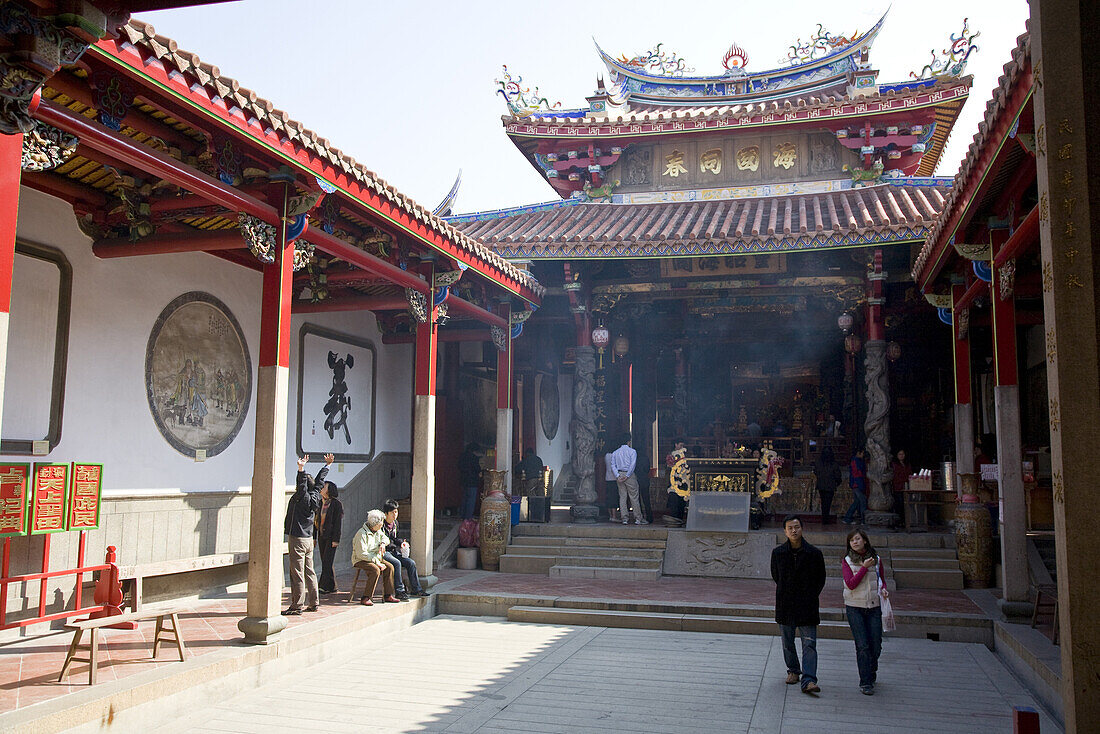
(198, 374)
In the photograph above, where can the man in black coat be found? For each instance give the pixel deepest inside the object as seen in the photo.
(298, 526)
(798, 570)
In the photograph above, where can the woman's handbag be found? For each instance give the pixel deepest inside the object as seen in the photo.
(888, 622)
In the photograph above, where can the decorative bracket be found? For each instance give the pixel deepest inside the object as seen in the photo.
(499, 338)
(938, 300)
(975, 251)
(112, 97)
(1006, 275)
(418, 305)
(262, 241)
(46, 147)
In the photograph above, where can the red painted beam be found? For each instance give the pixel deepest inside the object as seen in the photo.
(456, 305)
(166, 244)
(1003, 310)
(1023, 237)
(369, 263)
(977, 288)
(341, 276)
(130, 152)
(960, 349)
(66, 189)
(361, 303)
(466, 335)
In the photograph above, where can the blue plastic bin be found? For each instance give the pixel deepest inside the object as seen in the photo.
(515, 510)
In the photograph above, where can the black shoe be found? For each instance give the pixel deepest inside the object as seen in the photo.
(292, 612)
(403, 596)
(422, 592)
(329, 591)
(310, 609)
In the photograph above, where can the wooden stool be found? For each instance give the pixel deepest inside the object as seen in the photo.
(359, 573)
(93, 626)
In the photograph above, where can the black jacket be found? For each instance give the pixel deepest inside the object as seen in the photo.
(329, 533)
(799, 577)
(305, 501)
(395, 538)
(828, 477)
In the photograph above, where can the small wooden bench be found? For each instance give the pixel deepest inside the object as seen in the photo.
(93, 626)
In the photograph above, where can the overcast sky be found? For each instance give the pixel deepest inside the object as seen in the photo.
(407, 88)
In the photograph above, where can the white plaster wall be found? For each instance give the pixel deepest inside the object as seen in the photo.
(555, 454)
(114, 305)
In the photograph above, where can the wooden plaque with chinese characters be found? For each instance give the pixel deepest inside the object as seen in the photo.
(84, 493)
(49, 495)
(13, 499)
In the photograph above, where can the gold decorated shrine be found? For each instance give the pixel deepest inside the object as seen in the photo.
(723, 475)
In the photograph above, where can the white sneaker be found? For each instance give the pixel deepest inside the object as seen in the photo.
(626, 522)
(640, 521)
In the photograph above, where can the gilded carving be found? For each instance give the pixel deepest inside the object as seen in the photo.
(1059, 488)
(1048, 278)
(711, 160)
(674, 164)
(748, 159)
(1044, 208)
(1041, 140)
(785, 155)
(1052, 346)
(1055, 415)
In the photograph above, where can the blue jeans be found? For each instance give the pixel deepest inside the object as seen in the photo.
(859, 504)
(398, 561)
(808, 669)
(469, 502)
(866, 627)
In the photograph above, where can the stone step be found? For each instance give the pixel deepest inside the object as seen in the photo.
(924, 564)
(599, 530)
(571, 551)
(527, 564)
(611, 561)
(545, 540)
(664, 621)
(880, 540)
(605, 572)
(928, 579)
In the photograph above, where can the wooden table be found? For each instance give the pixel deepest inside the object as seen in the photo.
(917, 503)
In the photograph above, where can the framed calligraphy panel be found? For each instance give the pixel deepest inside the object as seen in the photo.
(84, 495)
(336, 394)
(13, 499)
(49, 498)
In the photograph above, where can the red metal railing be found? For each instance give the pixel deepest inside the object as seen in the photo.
(103, 603)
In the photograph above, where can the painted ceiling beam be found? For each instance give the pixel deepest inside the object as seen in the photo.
(465, 335)
(352, 303)
(66, 189)
(226, 239)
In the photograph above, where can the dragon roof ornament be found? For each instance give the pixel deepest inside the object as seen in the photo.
(821, 43)
(658, 62)
(522, 101)
(951, 61)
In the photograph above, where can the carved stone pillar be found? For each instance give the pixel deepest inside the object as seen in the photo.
(876, 425)
(582, 432)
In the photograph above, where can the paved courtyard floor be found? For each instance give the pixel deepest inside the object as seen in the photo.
(479, 674)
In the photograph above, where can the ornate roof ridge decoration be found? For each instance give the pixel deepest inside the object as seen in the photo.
(444, 207)
(1016, 69)
(631, 82)
(659, 63)
(732, 114)
(821, 41)
(951, 61)
(265, 116)
(522, 101)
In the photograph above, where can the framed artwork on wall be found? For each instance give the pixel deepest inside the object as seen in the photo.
(337, 379)
(198, 374)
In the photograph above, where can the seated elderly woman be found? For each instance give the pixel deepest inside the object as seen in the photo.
(366, 554)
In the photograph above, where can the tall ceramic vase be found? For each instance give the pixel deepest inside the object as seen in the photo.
(496, 511)
(973, 536)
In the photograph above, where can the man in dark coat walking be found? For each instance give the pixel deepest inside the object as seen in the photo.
(798, 570)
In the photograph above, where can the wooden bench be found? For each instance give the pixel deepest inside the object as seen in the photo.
(93, 626)
(134, 574)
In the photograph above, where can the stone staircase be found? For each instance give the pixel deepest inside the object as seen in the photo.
(604, 551)
(913, 561)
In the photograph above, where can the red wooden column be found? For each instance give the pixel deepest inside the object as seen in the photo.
(964, 408)
(505, 398)
(11, 153)
(269, 474)
(423, 443)
(1015, 601)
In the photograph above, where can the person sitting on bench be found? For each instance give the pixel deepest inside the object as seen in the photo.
(366, 554)
(396, 558)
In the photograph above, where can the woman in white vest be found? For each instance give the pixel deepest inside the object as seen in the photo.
(864, 586)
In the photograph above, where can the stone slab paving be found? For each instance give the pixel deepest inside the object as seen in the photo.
(486, 675)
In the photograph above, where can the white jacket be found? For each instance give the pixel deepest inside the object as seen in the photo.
(865, 594)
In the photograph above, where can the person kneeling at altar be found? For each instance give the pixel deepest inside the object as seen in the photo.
(366, 554)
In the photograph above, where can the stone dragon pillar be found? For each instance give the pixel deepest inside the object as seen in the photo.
(582, 433)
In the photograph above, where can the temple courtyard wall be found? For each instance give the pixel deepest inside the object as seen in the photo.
(158, 503)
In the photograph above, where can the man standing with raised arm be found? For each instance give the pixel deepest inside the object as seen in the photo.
(298, 526)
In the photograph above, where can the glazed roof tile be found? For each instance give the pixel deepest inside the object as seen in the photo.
(775, 222)
(1014, 70)
(257, 110)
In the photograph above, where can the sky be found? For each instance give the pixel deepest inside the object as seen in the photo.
(408, 88)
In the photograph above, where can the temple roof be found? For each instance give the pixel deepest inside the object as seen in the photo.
(262, 116)
(887, 213)
(971, 174)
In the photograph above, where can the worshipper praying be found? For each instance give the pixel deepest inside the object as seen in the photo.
(326, 534)
(623, 461)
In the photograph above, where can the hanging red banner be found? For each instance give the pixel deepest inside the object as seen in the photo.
(13, 499)
(84, 493)
(48, 498)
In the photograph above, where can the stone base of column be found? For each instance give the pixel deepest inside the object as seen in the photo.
(427, 582)
(585, 513)
(882, 519)
(1016, 611)
(261, 630)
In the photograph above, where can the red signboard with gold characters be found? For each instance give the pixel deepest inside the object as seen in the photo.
(13, 499)
(49, 497)
(87, 481)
